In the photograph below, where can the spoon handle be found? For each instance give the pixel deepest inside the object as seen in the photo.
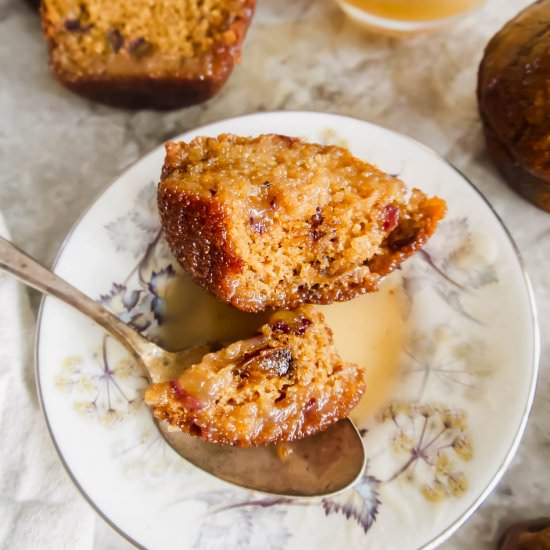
(30, 272)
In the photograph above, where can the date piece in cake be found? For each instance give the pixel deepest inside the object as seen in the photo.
(275, 222)
(283, 384)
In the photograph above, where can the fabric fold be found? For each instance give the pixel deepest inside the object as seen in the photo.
(39, 506)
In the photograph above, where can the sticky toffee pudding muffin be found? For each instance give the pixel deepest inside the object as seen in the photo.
(140, 54)
(514, 102)
(275, 222)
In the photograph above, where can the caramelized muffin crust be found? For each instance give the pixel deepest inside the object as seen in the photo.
(276, 222)
(286, 383)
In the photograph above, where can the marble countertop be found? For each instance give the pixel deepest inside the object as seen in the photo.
(58, 150)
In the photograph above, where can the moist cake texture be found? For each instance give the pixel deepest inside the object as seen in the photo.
(285, 383)
(161, 54)
(274, 222)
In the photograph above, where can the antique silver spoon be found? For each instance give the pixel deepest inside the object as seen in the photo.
(316, 466)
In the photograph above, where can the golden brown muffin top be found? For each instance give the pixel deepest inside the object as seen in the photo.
(514, 87)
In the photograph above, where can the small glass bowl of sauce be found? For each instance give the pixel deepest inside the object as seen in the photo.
(407, 16)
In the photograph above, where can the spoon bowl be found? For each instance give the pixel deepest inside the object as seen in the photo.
(320, 465)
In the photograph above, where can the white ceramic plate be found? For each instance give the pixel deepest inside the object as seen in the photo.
(465, 384)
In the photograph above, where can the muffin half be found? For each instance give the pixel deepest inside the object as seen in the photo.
(142, 54)
(286, 383)
(274, 222)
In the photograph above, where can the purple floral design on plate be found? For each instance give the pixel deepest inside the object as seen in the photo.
(231, 521)
(133, 232)
(431, 440)
(106, 388)
(138, 300)
(451, 266)
(464, 364)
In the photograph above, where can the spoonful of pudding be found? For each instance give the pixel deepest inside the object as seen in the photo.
(223, 410)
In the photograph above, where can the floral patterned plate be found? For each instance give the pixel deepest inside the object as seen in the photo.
(450, 344)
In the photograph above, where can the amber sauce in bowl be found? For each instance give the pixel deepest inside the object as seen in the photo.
(407, 16)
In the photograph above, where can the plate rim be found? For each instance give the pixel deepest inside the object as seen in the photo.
(536, 347)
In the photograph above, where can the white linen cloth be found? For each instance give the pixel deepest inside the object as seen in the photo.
(40, 509)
